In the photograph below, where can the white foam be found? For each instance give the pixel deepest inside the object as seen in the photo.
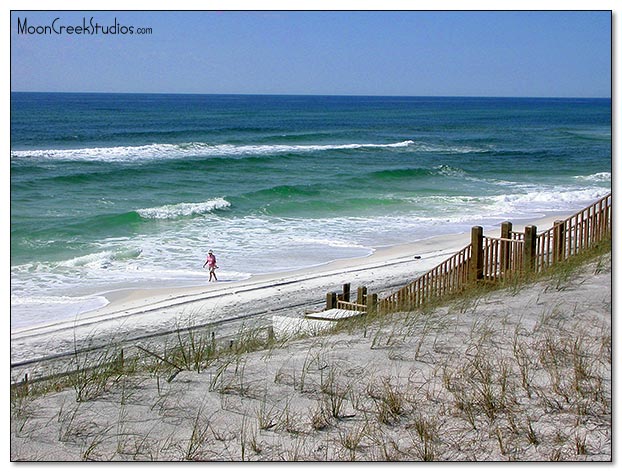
(598, 177)
(200, 149)
(197, 149)
(449, 171)
(183, 209)
(554, 196)
(449, 149)
(100, 259)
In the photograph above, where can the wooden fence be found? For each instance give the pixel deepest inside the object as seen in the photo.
(573, 235)
(492, 259)
(448, 277)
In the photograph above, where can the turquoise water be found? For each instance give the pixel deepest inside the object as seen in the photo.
(131, 190)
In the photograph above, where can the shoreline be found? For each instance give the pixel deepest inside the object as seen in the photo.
(106, 300)
(141, 313)
(118, 297)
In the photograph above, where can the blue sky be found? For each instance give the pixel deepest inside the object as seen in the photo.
(442, 53)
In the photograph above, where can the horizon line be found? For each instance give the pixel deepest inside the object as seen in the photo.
(318, 95)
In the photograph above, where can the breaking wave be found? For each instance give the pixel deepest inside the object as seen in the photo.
(177, 210)
(195, 149)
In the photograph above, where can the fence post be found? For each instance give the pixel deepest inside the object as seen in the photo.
(372, 303)
(506, 233)
(601, 221)
(531, 239)
(559, 240)
(361, 295)
(477, 254)
(609, 215)
(22, 388)
(331, 300)
(120, 360)
(346, 292)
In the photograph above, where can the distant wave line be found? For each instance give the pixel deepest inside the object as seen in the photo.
(194, 149)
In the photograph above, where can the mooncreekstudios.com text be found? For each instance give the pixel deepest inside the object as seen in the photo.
(88, 27)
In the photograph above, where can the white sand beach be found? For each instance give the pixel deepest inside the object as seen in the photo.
(142, 313)
(519, 374)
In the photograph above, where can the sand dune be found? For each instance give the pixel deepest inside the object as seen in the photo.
(518, 374)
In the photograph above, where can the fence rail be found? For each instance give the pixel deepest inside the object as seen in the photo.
(503, 257)
(448, 277)
(343, 305)
(574, 234)
(517, 235)
(493, 259)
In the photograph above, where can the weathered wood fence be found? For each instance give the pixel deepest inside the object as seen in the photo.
(573, 235)
(447, 277)
(491, 259)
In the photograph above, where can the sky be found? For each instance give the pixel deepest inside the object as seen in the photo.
(420, 53)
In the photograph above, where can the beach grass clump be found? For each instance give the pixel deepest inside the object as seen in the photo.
(334, 393)
(268, 416)
(424, 435)
(199, 435)
(352, 438)
(193, 350)
(22, 408)
(319, 417)
(389, 401)
(96, 373)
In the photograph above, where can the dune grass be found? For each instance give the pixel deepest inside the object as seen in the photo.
(516, 372)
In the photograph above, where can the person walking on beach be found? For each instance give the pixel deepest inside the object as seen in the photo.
(211, 265)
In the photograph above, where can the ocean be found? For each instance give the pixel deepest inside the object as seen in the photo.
(113, 191)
